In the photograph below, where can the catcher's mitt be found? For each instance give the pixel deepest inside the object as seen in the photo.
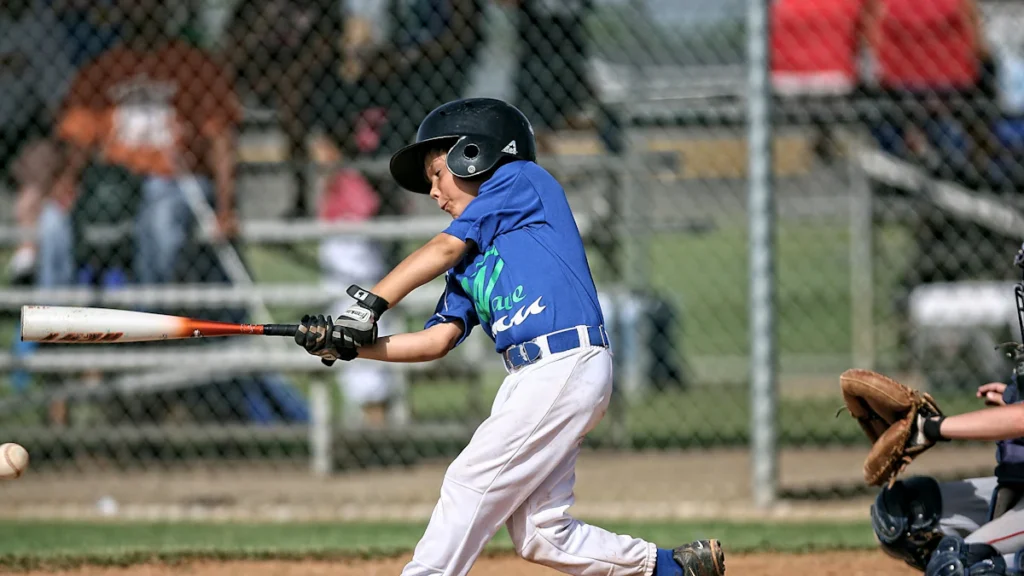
(891, 415)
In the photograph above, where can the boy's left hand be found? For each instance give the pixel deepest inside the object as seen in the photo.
(357, 326)
(316, 336)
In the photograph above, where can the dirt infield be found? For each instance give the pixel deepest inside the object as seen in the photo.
(865, 563)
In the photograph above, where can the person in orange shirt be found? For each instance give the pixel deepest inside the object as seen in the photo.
(162, 110)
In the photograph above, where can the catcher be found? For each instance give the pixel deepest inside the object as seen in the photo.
(969, 527)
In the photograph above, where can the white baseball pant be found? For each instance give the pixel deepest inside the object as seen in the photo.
(519, 470)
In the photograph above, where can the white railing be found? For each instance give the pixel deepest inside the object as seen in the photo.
(200, 296)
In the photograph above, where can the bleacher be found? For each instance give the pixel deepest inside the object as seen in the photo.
(667, 140)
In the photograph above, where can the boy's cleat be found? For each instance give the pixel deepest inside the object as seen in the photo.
(701, 558)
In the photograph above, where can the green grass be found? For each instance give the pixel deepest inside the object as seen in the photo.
(707, 275)
(702, 416)
(28, 545)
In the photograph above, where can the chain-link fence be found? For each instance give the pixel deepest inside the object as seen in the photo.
(137, 135)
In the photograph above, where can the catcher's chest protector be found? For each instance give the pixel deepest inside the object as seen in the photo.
(1010, 453)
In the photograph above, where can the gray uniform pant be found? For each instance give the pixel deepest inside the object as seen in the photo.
(967, 512)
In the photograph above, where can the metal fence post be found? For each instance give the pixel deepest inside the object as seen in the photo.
(862, 294)
(762, 268)
(632, 267)
(320, 428)
(635, 255)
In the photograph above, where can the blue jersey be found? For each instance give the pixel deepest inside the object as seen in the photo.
(528, 274)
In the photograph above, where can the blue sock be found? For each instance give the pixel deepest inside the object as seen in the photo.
(665, 565)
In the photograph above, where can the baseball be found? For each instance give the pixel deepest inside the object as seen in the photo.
(13, 461)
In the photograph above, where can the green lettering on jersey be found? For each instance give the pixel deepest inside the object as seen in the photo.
(479, 286)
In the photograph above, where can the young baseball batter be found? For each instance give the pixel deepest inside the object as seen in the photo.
(973, 527)
(514, 264)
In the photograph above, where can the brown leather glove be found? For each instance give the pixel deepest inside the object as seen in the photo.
(892, 416)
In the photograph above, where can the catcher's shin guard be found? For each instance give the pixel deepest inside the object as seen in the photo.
(906, 517)
(954, 557)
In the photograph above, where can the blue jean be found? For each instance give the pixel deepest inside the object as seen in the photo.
(162, 225)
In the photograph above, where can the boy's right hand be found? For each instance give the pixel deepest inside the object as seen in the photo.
(992, 393)
(316, 336)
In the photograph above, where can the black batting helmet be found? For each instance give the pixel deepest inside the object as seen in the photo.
(478, 133)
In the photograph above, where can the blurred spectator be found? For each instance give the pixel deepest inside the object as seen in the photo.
(935, 68)
(147, 124)
(553, 86)
(161, 111)
(817, 51)
(535, 54)
(427, 51)
(90, 27)
(817, 44)
(934, 65)
(930, 46)
(369, 389)
(279, 49)
(34, 73)
(434, 43)
(402, 58)
(356, 109)
(495, 70)
(936, 77)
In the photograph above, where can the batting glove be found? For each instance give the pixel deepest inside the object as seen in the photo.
(357, 326)
(315, 336)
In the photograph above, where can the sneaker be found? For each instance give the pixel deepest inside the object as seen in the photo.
(701, 558)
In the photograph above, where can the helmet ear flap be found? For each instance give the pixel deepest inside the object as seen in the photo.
(470, 157)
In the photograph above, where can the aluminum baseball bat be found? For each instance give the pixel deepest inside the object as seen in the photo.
(85, 325)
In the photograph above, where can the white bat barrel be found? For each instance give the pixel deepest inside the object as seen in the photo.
(79, 325)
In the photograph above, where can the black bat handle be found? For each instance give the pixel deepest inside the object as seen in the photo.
(287, 330)
(280, 329)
